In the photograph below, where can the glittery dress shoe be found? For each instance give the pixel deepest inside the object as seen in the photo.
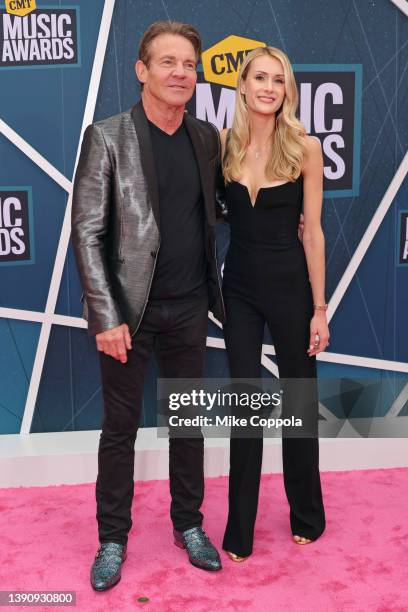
(105, 571)
(201, 552)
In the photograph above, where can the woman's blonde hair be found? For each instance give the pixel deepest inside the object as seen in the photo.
(287, 142)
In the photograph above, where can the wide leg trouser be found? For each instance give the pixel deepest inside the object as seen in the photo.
(243, 333)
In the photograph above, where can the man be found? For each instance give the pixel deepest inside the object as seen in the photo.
(143, 233)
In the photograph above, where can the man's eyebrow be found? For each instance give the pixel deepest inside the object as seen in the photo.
(168, 56)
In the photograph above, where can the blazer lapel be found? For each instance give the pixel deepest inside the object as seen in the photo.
(201, 153)
(146, 157)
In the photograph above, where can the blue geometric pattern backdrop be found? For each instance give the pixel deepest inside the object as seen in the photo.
(74, 65)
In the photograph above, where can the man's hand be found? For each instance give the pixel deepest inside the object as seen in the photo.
(301, 227)
(114, 342)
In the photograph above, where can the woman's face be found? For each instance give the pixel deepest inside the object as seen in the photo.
(264, 86)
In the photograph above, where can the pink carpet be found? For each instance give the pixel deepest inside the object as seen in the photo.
(48, 539)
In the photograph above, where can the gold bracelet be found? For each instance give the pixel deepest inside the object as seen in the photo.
(320, 307)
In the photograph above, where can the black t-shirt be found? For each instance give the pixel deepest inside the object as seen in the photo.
(181, 267)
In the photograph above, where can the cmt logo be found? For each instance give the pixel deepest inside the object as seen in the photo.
(16, 225)
(20, 7)
(221, 63)
(46, 37)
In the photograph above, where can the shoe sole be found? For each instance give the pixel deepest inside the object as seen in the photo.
(207, 569)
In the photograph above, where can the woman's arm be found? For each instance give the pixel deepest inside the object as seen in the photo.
(313, 241)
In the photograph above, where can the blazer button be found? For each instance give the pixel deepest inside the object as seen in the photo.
(153, 253)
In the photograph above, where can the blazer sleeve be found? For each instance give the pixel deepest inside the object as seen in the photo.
(221, 211)
(91, 204)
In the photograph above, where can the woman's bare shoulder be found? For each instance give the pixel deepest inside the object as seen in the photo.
(313, 145)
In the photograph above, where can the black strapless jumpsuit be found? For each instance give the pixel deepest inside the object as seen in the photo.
(266, 281)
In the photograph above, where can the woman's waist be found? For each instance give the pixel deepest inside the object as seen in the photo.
(281, 258)
(275, 243)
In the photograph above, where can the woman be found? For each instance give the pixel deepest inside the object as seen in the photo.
(270, 167)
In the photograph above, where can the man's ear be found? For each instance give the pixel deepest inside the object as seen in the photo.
(141, 71)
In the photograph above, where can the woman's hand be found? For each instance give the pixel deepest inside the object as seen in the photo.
(319, 333)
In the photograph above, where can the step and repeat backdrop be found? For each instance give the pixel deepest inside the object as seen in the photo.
(64, 65)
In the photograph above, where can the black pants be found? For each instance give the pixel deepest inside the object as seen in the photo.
(288, 322)
(176, 332)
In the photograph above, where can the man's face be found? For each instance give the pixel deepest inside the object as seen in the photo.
(171, 75)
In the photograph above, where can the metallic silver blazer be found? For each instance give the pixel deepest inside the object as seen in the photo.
(115, 217)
